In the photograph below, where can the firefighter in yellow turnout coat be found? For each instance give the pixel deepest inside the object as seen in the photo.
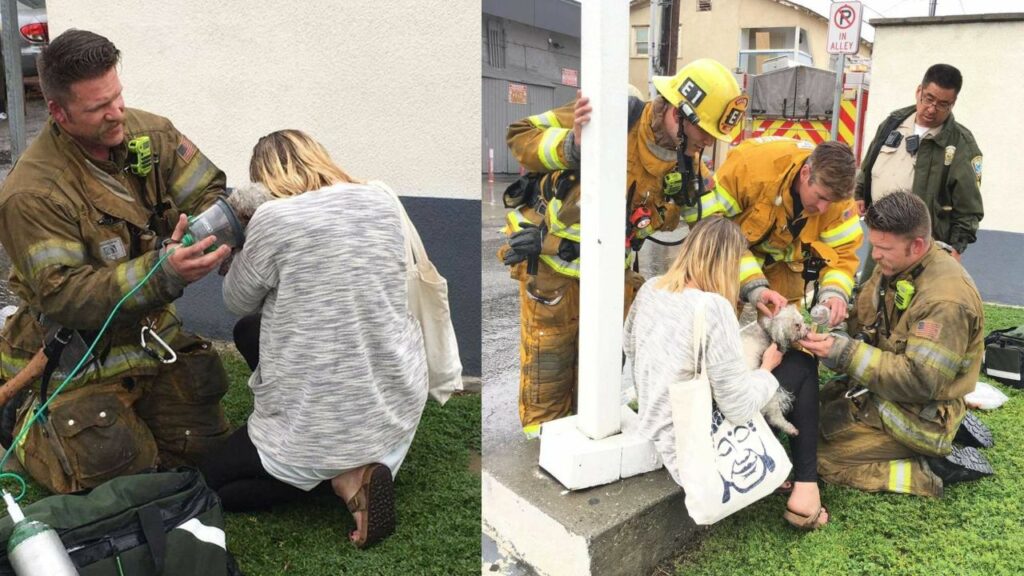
(81, 229)
(702, 102)
(891, 426)
(791, 202)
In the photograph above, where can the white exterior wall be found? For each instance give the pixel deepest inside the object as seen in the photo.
(989, 57)
(392, 89)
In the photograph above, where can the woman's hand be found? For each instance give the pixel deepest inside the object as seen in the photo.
(772, 357)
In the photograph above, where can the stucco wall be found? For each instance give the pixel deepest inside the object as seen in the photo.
(988, 55)
(388, 87)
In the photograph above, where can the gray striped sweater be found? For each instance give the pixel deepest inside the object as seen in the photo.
(658, 339)
(342, 376)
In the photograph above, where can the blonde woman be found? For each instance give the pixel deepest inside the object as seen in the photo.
(658, 340)
(340, 377)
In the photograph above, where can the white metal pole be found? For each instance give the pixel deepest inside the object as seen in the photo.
(603, 214)
(839, 96)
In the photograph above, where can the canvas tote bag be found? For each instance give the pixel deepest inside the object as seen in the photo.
(428, 302)
(722, 466)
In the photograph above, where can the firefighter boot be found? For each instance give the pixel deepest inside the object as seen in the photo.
(973, 433)
(962, 465)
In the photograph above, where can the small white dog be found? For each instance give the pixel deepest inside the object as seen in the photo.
(783, 329)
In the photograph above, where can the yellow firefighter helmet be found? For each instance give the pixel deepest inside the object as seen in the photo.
(707, 95)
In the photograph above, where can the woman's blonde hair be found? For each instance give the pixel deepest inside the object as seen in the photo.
(289, 162)
(709, 259)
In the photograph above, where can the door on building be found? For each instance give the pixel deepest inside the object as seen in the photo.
(505, 101)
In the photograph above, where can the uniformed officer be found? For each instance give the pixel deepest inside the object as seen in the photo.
(891, 425)
(82, 216)
(921, 149)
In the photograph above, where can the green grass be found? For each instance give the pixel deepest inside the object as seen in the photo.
(976, 528)
(438, 503)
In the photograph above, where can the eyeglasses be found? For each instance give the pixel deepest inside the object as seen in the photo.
(930, 102)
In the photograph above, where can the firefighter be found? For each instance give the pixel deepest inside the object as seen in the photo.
(923, 150)
(890, 425)
(700, 103)
(792, 200)
(82, 216)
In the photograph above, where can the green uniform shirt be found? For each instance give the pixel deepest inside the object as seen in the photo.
(957, 210)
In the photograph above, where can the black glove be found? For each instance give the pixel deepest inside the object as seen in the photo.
(568, 250)
(523, 244)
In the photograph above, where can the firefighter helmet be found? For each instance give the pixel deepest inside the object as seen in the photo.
(707, 95)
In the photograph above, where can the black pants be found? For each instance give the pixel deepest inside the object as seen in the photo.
(237, 475)
(798, 374)
(235, 471)
(247, 339)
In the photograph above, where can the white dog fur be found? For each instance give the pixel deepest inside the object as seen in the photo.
(783, 329)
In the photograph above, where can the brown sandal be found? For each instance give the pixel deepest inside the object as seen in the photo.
(786, 488)
(801, 522)
(376, 501)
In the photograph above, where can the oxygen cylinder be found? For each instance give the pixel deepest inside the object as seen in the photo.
(819, 319)
(34, 548)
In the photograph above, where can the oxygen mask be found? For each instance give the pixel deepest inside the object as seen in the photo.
(220, 221)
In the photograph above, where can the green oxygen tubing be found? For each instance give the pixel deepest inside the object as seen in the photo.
(28, 425)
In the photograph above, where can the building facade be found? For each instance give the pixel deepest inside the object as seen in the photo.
(744, 35)
(530, 54)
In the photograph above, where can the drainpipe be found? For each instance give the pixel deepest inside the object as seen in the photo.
(664, 44)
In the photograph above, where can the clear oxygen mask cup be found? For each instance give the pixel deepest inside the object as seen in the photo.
(218, 220)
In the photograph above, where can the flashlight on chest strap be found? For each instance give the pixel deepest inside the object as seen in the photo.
(140, 155)
(904, 294)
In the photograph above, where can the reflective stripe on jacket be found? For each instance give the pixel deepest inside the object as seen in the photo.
(79, 235)
(920, 371)
(753, 188)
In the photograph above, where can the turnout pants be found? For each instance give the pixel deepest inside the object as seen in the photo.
(549, 348)
(128, 424)
(854, 449)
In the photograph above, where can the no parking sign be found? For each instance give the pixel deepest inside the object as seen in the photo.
(844, 27)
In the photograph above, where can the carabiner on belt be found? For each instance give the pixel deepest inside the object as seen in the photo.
(167, 356)
(856, 391)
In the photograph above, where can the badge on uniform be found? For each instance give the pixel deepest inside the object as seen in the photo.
(893, 139)
(113, 249)
(950, 152)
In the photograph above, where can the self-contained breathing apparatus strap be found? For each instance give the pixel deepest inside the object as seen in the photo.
(53, 350)
(142, 162)
(882, 319)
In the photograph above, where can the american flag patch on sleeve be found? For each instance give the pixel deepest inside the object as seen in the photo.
(927, 329)
(186, 149)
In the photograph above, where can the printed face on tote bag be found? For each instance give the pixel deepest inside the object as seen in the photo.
(743, 461)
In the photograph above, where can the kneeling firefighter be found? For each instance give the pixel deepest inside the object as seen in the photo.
(148, 394)
(665, 139)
